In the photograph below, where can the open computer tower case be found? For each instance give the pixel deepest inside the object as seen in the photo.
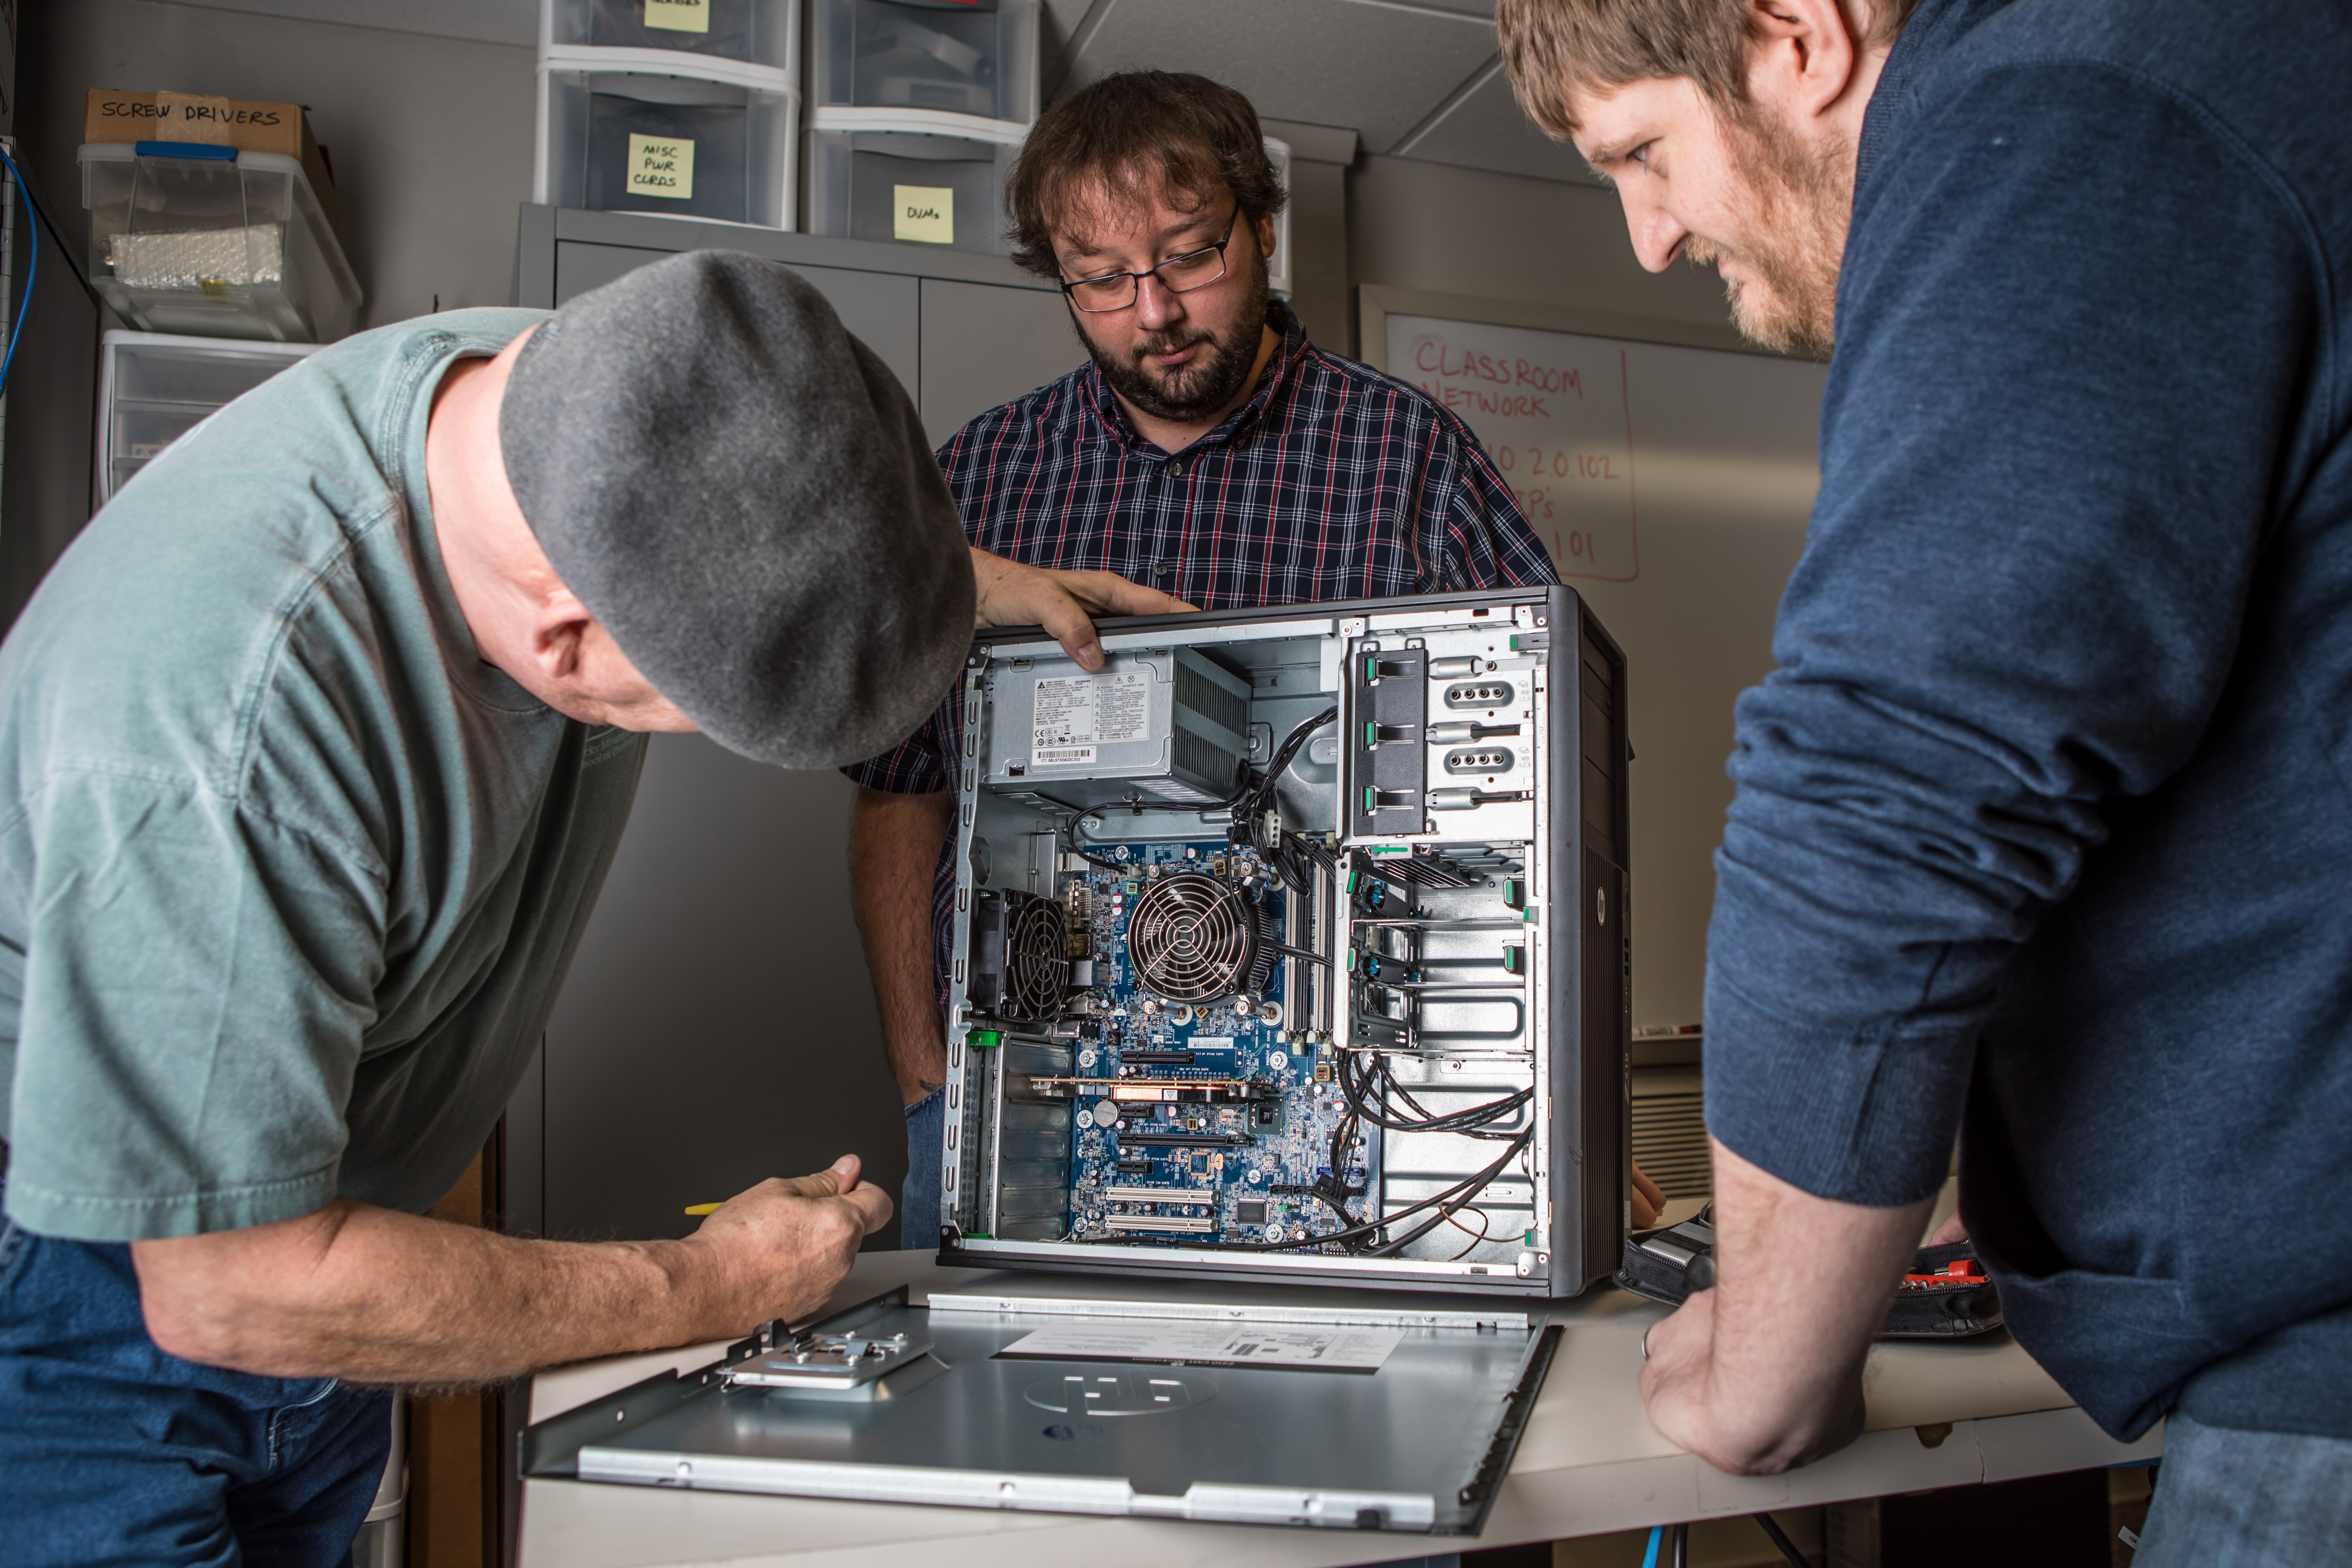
(1293, 946)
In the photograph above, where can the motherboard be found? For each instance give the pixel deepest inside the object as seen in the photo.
(1215, 1121)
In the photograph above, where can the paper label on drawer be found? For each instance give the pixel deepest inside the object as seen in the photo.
(1076, 713)
(925, 213)
(661, 166)
(679, 15)
(1296, 1345)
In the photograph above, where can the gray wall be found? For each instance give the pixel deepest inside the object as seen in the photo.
(431, 143)
(1501, 237)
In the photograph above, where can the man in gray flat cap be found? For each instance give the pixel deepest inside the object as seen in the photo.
(315, 749)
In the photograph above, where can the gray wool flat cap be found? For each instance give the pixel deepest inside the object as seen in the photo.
(743, 493)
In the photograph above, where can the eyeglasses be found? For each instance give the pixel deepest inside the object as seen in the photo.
(1178, 275)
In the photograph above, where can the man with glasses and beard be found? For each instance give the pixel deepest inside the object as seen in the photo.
(1208, 456)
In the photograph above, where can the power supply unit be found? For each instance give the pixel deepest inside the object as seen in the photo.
(1165, 729)
(1292, 944)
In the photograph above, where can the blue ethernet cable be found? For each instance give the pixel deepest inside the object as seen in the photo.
(32, 268)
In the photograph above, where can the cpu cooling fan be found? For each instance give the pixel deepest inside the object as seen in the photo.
(1191, 938)
(1019, 970)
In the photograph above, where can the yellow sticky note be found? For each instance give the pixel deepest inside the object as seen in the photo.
(923, 213)
(679, 15)
(661, 166)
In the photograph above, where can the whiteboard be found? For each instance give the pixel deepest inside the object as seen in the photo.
(1671, 486)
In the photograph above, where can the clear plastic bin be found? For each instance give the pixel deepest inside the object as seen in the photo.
(954, 57)
(765, 33)
(211, 242)
(911, 186)
(152, 389)
(672, 145)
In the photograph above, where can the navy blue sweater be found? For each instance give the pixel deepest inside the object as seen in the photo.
(2047, 812)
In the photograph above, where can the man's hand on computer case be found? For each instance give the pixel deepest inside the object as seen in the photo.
(1763, 1371)
(1011, 595)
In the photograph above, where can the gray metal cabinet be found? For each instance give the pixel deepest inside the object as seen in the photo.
(983, 346)
(718, 1024)
(882, 309)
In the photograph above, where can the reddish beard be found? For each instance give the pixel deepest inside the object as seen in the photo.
(1802, 201)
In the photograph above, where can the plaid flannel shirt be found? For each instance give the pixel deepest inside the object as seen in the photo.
(1333, 481)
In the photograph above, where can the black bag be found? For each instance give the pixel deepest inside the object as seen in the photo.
(1946, 1295)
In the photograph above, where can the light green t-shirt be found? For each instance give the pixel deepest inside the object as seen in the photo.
(289, 876)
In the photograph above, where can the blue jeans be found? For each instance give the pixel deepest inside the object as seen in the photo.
(113, 1452)
(918, 1198)
(2226, 1499)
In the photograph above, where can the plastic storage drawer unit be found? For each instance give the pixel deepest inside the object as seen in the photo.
(214, 243)
(756, 32)
(153, 389)
(678, 146)
(976, 58)
(907, 186)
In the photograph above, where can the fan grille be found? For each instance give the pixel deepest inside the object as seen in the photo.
(1036, 972)
(1194, 938)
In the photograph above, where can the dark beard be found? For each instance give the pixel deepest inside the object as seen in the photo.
(1191, 394)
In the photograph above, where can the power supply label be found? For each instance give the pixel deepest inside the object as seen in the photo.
(1073, 714)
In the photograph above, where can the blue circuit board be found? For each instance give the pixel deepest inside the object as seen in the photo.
(1245, 1103)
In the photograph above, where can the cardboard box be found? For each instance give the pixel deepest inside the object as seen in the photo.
(111, 115)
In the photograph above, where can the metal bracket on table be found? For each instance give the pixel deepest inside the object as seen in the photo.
(551, 1448)
(846, 1354)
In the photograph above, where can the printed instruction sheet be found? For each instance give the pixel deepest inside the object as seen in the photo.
(1303, 1346)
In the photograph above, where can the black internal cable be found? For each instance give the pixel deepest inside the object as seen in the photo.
(1360, 1092)
(1447, 1211)
(1483, 1116)
(1479, 1115)
(1463, 1120)
(1249, 808)
(1332, 1186)
(1249, 796)
(1468, 1187)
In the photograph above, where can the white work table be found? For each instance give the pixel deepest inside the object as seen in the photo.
(1589, 1462)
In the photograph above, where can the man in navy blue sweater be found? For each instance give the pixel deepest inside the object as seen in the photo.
(2044, 822)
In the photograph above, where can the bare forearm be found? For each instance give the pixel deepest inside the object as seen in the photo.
(1764, 1372)
(894, 847)
(375, 1296)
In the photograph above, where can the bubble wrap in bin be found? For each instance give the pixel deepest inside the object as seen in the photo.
(245, 258)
